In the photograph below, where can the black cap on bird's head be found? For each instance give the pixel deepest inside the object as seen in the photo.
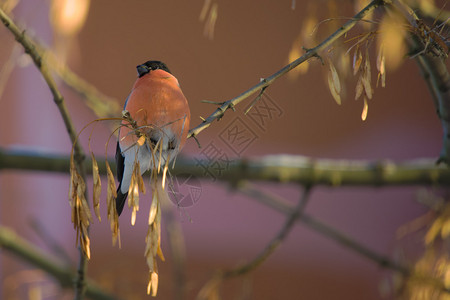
(150, 66)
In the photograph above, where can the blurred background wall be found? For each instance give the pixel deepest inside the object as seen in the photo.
(251, 40)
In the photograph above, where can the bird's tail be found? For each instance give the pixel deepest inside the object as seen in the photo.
(120, 200)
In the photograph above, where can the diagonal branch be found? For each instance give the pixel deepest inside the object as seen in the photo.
(314, 52)
(65, 276)
(295, 213)
(38, 60)
(210, 289)
(103, 106)
(42, 66)
(282, 206)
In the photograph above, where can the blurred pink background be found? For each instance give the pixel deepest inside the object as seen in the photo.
(251, 40)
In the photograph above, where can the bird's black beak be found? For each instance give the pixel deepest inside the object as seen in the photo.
(142, 70)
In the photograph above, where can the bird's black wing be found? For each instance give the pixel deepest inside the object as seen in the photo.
(120, 165)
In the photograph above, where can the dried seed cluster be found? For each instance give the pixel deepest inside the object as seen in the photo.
(81, 214)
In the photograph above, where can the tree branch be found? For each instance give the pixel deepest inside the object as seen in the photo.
(103, 106)
(282, 206)
(38, 60)
(437, 77)
(276, 168)
(177, 249)
(210, 289)
(431, 61)
(314, 52)
(295, 213)
(65, 276)
(32, 51)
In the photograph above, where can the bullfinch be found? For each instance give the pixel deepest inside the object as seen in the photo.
(161, 113)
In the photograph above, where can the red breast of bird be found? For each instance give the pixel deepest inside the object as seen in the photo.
(161, 112)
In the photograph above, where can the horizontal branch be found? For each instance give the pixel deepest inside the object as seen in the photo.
(277, 168)
(64, 275)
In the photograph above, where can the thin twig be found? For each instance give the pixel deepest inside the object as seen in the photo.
(8, 67)
(282, 206)
(38, 60)
(314, 52)
(294, 214)
(56, 248)
(210, 289)
(65, 276)
(80, 282)
(256, 99)
(177, 249)
(103, 106)
(339, 19)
